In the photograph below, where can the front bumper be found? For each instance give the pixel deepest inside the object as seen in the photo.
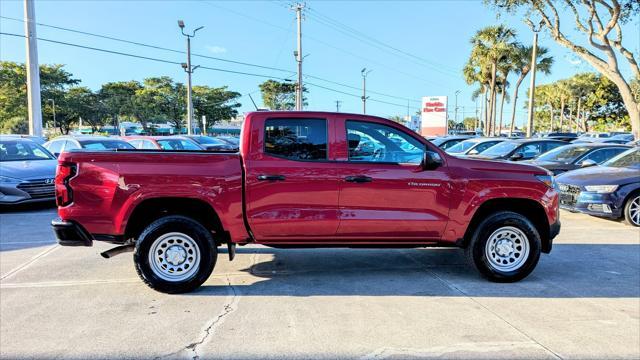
(590, 203)
(70, 233)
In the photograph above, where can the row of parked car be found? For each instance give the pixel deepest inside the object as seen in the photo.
(28, 163)
(595, 177)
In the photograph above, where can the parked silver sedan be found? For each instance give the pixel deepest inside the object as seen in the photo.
(27, 172)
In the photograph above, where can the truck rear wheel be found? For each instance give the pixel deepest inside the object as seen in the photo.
(175, 254)
(505, 247)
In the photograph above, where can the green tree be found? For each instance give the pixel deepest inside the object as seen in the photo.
(54, 80)
(118, 99)
(600, 40)
(279, 95)
(215, 103)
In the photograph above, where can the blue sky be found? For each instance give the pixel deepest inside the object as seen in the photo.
(435, 32)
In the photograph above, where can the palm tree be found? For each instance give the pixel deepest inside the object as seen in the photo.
(522, 64)
(490, 45)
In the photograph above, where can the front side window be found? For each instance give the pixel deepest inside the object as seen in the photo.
(296, 139)
(372, 142)
(529, 151)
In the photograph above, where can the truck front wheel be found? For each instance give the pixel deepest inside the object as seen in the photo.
(505, 247)
(175, 254)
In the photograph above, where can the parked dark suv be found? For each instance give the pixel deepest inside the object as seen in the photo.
(611, 190)
(575, 156)
(516, 150)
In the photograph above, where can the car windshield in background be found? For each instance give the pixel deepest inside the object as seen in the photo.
(461, 147)
(22, 151)
(177, 144)
(564, 154)
(628, 159)
(208, 140)
(501, 149)
(105, 144)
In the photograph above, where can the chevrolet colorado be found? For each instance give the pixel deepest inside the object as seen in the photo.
(304, 179)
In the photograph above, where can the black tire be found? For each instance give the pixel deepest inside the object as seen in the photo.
(475, 250)
(634, 197)
(175, 224)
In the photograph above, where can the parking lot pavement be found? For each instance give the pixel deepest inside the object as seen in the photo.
(583, 301)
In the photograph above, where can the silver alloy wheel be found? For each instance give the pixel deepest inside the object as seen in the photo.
(634, 211)
(174, 257)
(507, 249)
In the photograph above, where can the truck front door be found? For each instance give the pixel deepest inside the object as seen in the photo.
(291, 184)
(385, 195)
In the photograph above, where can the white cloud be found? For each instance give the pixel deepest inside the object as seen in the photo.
(216, 49)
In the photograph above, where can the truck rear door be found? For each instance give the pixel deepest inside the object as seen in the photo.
(291, 183)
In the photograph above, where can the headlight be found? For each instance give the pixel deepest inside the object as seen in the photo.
(548, 180)
(601, 189)
(6, 179)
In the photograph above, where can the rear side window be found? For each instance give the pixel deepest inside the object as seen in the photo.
(296, 139)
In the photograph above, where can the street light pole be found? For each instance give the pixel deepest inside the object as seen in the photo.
(364, 73)
(53, 103)
(532, 86)
(189, 70)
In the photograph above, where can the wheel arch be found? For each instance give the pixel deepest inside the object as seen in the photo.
(151, 209)
(531, 209)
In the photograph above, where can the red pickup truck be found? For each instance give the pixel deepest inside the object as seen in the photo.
(304, 179)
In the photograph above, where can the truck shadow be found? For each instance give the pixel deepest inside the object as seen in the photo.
(570, 271)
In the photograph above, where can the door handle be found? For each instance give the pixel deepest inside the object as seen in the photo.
(358, 179)
(271, 177)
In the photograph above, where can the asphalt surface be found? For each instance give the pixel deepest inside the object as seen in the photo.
(583, 301)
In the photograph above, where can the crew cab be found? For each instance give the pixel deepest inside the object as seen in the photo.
(304, 179)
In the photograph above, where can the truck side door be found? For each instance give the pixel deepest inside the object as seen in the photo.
(385, 195)
(291, 184)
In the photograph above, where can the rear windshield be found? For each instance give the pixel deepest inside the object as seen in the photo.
(105, 144)
(178, 144)
(22, 151)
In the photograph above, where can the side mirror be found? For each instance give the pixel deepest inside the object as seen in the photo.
(431, 160)
(516, 157)
(588, 163)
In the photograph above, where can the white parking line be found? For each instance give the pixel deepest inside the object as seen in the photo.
(30, 262)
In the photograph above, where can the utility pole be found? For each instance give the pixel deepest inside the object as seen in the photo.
(53, 105)
(189, 70)
(532, 86)
(298, 55)
(455, 111)
(338, 105)
(364, 73)
(33, 70)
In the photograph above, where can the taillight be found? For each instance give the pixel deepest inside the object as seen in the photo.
(64, 173)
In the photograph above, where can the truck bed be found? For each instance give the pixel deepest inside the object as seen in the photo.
(113, 183)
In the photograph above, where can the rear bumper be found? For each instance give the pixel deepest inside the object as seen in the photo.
(70, 233)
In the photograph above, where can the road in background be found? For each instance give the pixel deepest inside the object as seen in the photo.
(582, 301)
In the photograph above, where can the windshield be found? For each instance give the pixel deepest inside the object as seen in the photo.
(564, 154)
(178, 144)
(105, 144)
(501, 149)
(629, 158)
(461, 147)
(23, 151)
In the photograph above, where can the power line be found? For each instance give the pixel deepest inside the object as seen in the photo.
(408, 75)
(108, 37)
(366, 39)
(178, 63)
